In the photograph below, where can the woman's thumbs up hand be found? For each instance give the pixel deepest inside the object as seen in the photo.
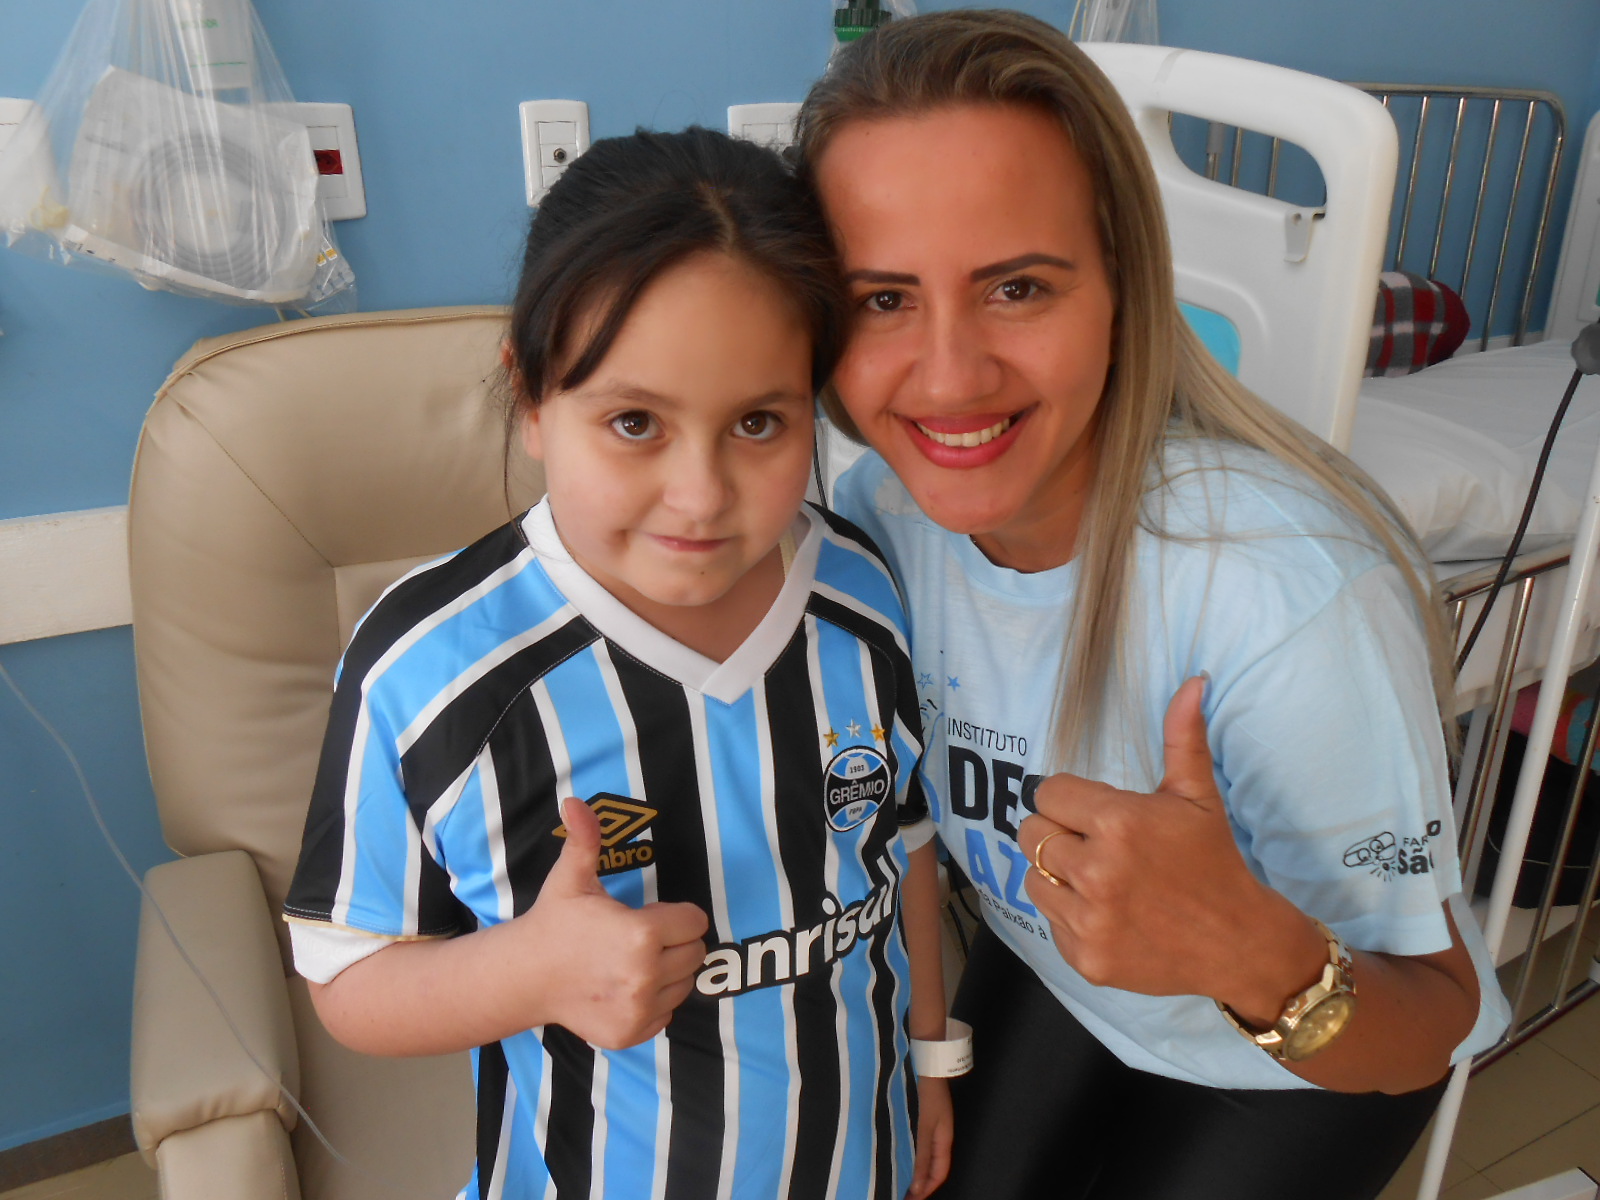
(1149, 893)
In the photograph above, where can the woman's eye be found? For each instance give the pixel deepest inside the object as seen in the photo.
(885, 301)
(634, 426)
(758, 426)
(1014, 290)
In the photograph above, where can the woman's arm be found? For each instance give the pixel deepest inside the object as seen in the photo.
(579, 958)
(1156, 898)
(919, 915)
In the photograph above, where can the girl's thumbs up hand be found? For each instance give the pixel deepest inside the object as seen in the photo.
(1149, 893)
(611, 974)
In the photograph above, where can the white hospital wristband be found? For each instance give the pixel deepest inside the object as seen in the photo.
(942, 1060)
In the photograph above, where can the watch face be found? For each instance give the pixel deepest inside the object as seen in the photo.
(1324, 1022)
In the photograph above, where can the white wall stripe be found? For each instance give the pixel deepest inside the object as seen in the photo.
(63, 573)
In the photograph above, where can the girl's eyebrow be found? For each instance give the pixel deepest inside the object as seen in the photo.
(632, 393)
(865, 276)
(978, 274)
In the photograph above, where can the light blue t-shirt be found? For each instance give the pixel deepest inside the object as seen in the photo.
(1320, 713)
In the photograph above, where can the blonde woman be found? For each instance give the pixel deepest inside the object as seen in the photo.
(1181, 668)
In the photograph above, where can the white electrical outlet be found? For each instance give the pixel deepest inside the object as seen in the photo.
(554, 132)
(765, 124)
(333, 140)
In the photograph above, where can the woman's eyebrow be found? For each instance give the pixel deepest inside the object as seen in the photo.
(1021, 262)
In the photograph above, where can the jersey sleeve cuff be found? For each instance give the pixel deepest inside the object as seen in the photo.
(918, 834)
(321, 951)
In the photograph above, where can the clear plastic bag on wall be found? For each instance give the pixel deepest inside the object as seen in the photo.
(1115, 21)
(161, 148)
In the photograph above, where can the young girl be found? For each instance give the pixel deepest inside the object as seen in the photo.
(690, 981)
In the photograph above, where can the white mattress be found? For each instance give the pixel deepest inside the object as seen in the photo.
(1455, 446)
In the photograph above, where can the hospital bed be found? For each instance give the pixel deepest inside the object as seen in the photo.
(1279, 194)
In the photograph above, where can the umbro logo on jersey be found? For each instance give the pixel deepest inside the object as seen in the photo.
(621, 818)
(854, 784)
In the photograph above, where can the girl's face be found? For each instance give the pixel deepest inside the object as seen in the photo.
(675, 468)
(984, 318)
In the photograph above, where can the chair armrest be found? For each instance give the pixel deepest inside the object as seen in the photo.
(188, 1066)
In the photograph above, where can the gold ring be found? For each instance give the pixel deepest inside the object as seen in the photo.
(1038, 854)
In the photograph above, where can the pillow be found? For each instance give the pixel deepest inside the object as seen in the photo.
(1416, 322)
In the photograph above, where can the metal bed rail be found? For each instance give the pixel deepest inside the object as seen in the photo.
(1500, 149)
(1482, 122)
(1535, 1002)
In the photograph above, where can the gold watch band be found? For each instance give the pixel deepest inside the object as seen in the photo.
(1313, 1018)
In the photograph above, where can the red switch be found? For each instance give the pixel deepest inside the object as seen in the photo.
(329, 162)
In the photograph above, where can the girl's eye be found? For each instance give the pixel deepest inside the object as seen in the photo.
(634, 426)
(758, 426)
(1014, 290)
(884, 302)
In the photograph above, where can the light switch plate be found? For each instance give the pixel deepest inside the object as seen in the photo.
(333, 140)
(554, 132)
(769, 124)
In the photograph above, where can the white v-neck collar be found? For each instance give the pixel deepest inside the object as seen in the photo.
(725, 681)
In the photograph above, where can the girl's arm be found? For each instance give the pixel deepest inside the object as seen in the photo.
(919, 915)
(1155, 897)
(578, 958)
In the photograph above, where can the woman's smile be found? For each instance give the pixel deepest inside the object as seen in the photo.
(965, 442)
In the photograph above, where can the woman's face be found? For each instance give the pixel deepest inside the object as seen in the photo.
(984, 316)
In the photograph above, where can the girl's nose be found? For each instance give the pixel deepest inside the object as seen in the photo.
(698, 484)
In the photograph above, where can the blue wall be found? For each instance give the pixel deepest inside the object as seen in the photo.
(435, 89)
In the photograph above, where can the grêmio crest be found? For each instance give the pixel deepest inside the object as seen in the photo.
(854, 785)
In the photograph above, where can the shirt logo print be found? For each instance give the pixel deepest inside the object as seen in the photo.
(854, 785)
(1388, 857)
(621, 818)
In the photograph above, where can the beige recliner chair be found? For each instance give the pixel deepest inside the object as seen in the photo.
(285, 476)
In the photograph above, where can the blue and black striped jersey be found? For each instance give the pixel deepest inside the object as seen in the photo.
(767, 789)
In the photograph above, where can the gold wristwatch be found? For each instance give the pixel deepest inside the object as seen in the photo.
(1311, 1020)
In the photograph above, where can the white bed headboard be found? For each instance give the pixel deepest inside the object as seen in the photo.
(1298, 284)
(1576, 299)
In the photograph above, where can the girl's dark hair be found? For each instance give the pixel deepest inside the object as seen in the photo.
(630, 208)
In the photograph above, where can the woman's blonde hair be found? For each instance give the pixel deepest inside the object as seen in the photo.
(1164, 383)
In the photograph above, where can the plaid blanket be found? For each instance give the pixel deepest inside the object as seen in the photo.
(1416, 323)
